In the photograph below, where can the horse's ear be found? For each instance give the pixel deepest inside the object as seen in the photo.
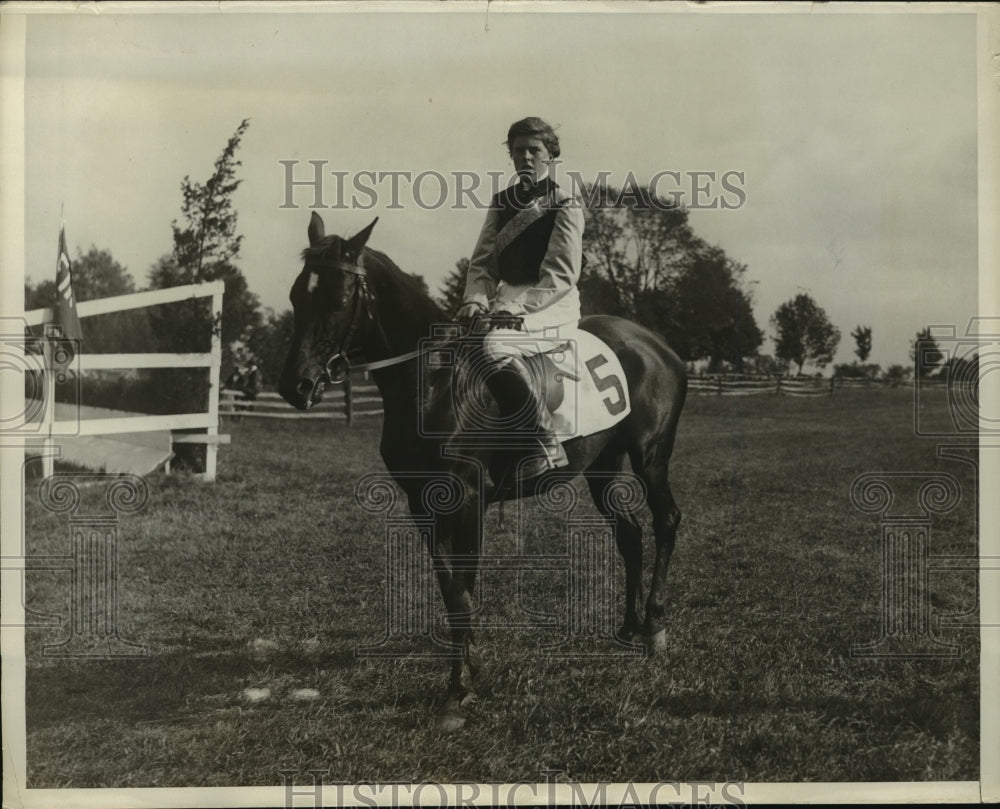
(360, 239)
(317, 230)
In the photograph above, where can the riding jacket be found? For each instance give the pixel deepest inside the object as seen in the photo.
(529, 256)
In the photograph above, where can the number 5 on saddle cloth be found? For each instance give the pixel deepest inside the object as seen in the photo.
(577, 376)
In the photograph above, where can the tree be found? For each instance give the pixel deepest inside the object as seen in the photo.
(97, 275)
(205, 246)
(39, 296)
(421, 283)
(897, 374)
(925, 353)
(863, 339)
(453, 288)
(270, 343)
(209, 232)
(644, 262)
(804, 333)
(597, 295)
(635, 240)
(766, 364)
(709, 314)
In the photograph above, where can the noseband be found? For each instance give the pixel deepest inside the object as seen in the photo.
(338, 366)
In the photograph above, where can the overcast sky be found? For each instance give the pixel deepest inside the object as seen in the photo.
(856, 136)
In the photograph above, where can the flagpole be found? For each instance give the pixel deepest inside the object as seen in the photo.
(48, 414)
(48, 356)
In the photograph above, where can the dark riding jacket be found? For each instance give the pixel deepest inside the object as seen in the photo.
(529, 254)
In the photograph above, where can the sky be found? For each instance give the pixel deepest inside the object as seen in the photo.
(856, 136)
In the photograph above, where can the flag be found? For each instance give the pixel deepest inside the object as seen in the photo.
(67, 318)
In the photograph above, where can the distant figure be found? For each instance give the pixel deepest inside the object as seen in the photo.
(246, 376)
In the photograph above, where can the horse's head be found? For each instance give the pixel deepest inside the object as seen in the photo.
(332, 307)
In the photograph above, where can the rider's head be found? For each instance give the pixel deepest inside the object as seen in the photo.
(532, 144)
(534, 128)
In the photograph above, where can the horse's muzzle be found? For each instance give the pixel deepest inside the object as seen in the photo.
(304, 394)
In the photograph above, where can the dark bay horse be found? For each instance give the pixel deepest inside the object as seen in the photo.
(351, 301)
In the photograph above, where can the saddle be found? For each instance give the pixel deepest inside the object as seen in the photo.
(544, 376)
(547, 379)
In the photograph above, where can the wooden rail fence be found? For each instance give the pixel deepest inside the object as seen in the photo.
(735, 385)
(345, 401)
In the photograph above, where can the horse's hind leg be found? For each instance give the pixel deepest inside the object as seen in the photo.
(628, 535)
(666, 518)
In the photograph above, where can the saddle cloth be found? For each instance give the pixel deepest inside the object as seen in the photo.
(594, 386)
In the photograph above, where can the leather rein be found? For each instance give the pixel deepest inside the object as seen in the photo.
(338, 366)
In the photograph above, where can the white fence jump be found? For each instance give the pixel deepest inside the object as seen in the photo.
(212, 360)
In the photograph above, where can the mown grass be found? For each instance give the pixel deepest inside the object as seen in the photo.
(273, 576)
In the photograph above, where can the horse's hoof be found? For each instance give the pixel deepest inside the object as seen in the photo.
(626, 632)
(451, 721)
(656, 643)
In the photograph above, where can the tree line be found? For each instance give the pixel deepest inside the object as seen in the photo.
(643, 261)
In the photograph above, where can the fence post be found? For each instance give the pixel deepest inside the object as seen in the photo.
(777, 387)
(348, 400)
(214, 379)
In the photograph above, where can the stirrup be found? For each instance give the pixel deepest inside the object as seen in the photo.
(548, 455)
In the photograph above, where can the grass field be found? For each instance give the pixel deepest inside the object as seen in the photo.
(271, 577)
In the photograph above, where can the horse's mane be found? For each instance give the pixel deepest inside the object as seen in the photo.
(385, 272)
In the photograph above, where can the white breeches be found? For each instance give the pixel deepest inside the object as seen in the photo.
(503, 345)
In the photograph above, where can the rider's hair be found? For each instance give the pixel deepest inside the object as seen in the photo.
(534, 128)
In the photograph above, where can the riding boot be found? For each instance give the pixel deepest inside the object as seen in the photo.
(523, 410)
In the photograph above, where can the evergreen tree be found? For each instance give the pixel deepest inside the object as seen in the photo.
(453, 288)
(863, 338)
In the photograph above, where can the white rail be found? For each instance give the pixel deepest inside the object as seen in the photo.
(212, 360)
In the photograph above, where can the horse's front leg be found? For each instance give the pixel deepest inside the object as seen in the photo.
(456, 560)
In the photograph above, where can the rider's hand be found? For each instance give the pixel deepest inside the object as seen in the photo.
(506, 309)
(469, 311)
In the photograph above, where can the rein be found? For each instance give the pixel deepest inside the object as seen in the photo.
(338, 366)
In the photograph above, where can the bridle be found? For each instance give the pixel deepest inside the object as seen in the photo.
(338, 365)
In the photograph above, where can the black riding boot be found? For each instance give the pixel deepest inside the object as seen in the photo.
(522, 407)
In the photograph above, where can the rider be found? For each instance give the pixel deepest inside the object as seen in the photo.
(527, 264)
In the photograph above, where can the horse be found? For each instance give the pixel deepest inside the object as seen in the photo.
(352, 301)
